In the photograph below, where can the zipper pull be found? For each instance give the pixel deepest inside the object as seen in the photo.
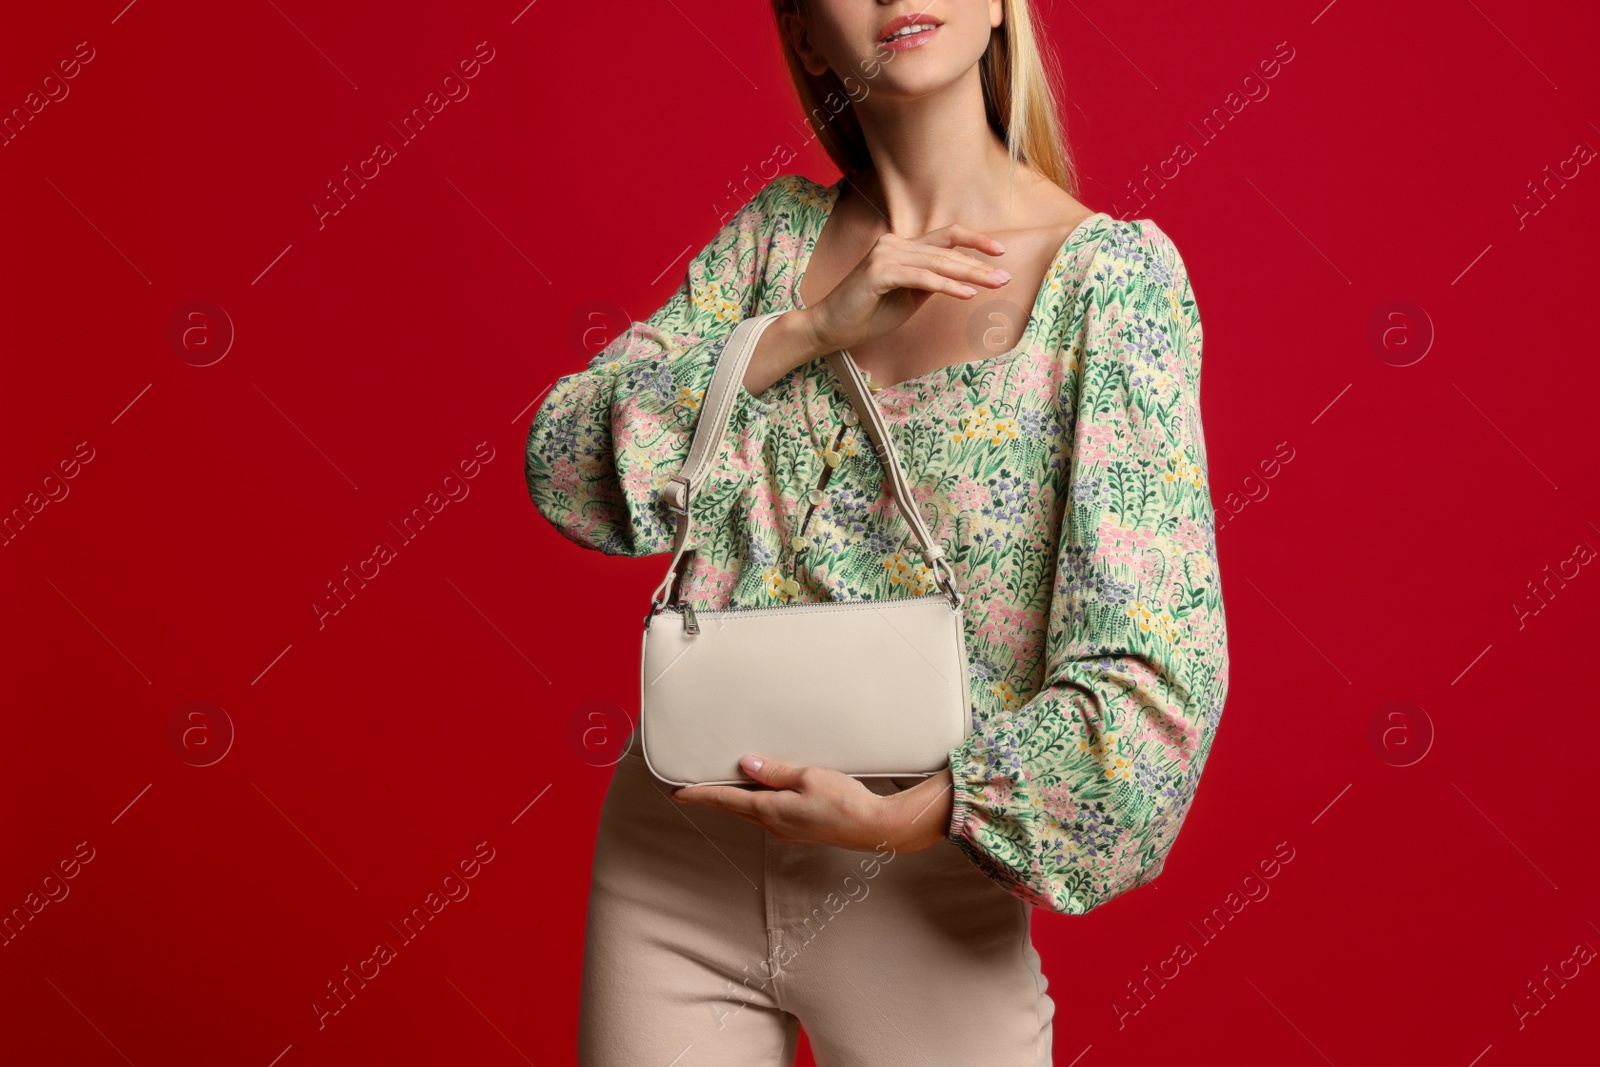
(691, 625)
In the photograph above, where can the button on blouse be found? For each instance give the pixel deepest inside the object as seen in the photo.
(1065, 480)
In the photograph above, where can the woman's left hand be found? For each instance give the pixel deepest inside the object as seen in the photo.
(827, 807)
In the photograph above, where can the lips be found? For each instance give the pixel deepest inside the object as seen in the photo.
(895, 25)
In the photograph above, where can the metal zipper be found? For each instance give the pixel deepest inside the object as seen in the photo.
(688, 612)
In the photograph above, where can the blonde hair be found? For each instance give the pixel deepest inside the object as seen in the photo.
(1017, 97)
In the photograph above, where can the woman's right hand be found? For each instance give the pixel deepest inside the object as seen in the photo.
(894, 279)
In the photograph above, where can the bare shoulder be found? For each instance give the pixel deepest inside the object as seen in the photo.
(1039, 218)
(1045, 211)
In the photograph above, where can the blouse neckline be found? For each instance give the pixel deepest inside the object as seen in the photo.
(820, 209)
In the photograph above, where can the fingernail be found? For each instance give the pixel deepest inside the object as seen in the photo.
(751, 763)
(967, 290)
(1000, 246)
(1000, 274)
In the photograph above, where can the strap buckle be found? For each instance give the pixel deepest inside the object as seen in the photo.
(675, 494)
(935, 559)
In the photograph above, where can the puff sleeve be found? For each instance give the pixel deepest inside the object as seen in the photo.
(1077, 796)
(605, 440)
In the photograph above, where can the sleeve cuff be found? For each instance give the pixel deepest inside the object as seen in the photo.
(961, 814)
(748, 406)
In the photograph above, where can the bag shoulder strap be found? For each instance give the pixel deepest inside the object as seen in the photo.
(711, 428)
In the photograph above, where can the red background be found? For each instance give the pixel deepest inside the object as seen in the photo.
(373, 354)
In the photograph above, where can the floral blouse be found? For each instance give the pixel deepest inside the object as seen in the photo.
(1065, 478)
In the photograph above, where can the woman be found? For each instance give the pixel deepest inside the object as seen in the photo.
(1038, 366)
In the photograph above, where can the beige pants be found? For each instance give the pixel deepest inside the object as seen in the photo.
(710, 943)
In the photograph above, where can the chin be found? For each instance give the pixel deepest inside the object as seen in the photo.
(911, 84)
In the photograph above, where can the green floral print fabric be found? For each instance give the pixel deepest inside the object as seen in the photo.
(1065, 478)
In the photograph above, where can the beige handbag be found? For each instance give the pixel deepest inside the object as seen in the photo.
(873, 688)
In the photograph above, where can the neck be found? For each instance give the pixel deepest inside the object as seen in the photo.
(935, 161)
